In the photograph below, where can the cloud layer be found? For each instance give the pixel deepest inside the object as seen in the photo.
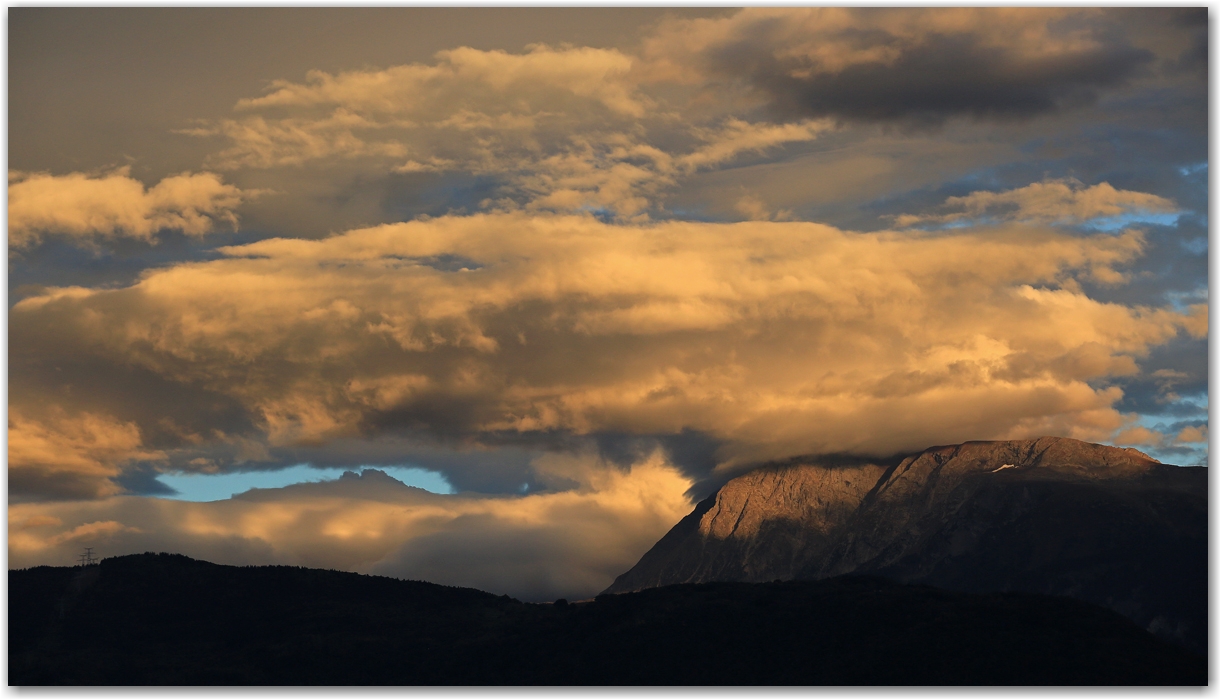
(774, 338)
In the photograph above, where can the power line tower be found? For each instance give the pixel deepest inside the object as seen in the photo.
(86, 558)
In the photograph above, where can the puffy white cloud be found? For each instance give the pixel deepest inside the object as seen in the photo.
(88, 207)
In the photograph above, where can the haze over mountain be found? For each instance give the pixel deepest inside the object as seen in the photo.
(1051, 515)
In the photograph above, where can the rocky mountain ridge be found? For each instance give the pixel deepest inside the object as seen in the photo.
(1051, 515)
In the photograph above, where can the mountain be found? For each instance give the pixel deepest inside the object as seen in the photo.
(159, 619)
(1053, 516)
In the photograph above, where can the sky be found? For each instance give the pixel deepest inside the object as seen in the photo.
(491, 297)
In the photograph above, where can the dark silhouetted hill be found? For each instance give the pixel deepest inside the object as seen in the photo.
(169, 620)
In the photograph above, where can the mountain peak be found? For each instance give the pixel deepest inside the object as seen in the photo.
(1058, 453)
(1051, 515)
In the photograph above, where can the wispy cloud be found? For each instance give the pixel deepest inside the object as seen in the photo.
(1062, 201)
(564, 129)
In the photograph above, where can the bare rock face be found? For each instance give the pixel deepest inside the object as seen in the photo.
(1051, 515)
(926, 493)
(765, 525)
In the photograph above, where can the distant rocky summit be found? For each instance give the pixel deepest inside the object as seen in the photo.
(1052, 516)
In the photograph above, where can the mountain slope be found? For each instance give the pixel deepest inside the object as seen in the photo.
(170, 620)
(768, 524)
(1052, 515)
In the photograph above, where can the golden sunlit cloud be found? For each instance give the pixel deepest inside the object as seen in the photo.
(1051, 201)
(565, 127)
(88, 207)
(777, 338)
(71, 454)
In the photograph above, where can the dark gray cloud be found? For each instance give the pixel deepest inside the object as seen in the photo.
(948, 76)
(36, 484)
(142, 480)
(1176, 368)
(924, 66)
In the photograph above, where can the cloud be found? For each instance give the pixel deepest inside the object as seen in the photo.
(70, 455)
(294, 141)
(562, 129)
(1061, 201)
(1139, 436)
(737, 136)
(535, 547)
(756, 209)
(596, 74)
(477, 103)
(922, 65)
(1175, 439)
(1194, 434)
(86, 208)
(532, 322)
(770, 338)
